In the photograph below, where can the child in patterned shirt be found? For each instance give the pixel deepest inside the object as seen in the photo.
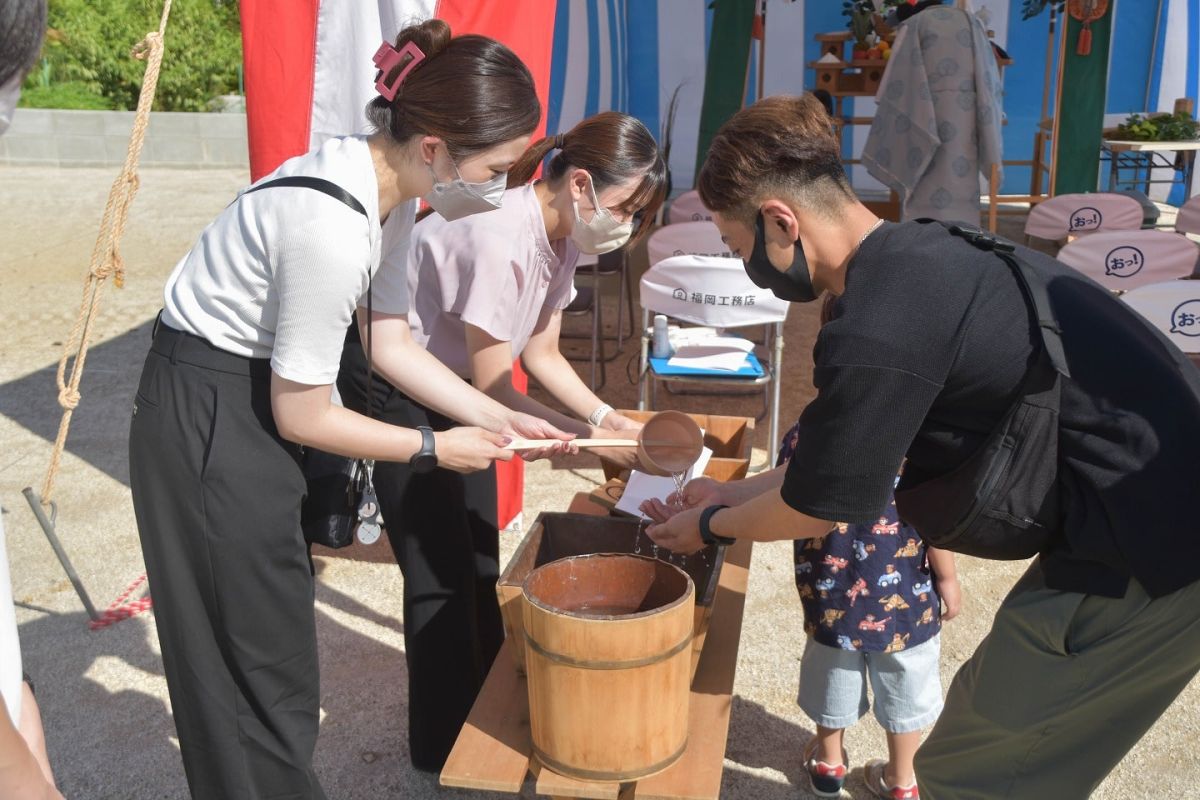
(872, 597)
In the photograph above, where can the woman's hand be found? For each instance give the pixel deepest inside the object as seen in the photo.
(623, 457)
(469, 449)
(527, 426)
(614, 421)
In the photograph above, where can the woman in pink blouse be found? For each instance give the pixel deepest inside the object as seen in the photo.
(485, 290)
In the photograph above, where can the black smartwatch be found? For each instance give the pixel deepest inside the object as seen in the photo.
(425, 459)
(706, 533)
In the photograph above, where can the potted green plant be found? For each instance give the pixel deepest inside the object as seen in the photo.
(1176, 127)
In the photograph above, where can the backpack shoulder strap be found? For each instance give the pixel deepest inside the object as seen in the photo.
(1032, 285)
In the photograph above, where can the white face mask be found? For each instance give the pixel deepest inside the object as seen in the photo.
(604, 233)
(457, 199)
(9, 94)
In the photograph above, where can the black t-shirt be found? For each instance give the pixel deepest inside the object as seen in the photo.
(925, 353)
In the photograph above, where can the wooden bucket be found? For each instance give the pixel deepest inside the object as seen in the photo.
(608, 658)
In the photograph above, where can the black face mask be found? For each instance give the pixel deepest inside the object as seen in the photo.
(795, 285)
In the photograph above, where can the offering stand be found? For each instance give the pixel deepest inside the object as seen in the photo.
(494, 749)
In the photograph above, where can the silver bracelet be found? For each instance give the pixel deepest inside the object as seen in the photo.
(597, 416)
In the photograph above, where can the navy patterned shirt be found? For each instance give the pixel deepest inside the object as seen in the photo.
(865, 587)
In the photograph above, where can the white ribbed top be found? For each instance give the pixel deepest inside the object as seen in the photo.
(279, 272)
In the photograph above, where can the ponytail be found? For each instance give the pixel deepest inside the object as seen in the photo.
(613, 148)
(522, 172)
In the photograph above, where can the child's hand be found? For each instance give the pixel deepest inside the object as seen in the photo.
(951, 593)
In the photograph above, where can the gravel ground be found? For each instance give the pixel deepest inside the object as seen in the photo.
(102, 693)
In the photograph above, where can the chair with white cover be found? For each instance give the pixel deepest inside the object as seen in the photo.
(687, 238)
(716, 292)
(1124, 260)
(1174, 308)
(1188, 218)
(1078, 214)
(687, 208)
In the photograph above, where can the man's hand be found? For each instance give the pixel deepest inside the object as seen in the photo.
(698, 493)
(680, 533)
(701, 493)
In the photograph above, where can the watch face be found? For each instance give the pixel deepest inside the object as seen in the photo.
(423, 462)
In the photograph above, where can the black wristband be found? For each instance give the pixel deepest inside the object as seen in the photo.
(706, 533)
(425, 459)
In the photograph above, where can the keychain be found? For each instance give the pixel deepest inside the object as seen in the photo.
(370, 524)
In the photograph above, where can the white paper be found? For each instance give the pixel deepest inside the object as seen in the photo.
(642, 487)
(722, 353)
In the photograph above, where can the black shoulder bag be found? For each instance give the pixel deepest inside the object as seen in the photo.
(341, 495)
(1002, 502)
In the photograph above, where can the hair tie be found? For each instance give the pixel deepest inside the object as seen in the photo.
(558, 141)
(387, 58)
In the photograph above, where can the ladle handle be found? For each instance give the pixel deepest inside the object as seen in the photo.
(533, 444)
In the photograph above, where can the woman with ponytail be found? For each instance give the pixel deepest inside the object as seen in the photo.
(240, 375)
(487, 290)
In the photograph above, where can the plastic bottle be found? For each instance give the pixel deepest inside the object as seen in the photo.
(661, 345)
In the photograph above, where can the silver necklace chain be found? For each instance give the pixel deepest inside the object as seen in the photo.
(870, 230)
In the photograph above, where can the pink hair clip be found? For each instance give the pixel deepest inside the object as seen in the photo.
(387, 58)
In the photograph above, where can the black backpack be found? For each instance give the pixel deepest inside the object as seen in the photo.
(1003, 501)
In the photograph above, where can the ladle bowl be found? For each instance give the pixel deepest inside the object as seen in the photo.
(669, 443)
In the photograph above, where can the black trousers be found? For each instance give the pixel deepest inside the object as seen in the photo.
(443, 532)
(217, 496)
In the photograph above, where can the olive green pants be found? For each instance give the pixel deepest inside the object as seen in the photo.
(1063, 686)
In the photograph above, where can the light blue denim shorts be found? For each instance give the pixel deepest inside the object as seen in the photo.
(907, 686)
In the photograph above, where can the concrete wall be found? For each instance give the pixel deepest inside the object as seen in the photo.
(100, 138)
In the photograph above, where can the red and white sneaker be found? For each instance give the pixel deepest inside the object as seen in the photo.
(825, 780)
(874, 775)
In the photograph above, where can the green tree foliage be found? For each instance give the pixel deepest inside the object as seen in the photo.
(87, 62)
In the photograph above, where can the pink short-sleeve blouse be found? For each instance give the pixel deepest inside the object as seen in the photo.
(495, 270)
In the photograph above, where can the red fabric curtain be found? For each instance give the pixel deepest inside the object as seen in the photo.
(279, 42)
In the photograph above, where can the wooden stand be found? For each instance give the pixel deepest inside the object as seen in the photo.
(493, 751)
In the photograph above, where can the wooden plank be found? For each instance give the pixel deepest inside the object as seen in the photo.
(551, 784)
(492, 751)
(697, 774)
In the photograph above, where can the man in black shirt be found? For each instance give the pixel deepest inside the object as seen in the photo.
(928, 347)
